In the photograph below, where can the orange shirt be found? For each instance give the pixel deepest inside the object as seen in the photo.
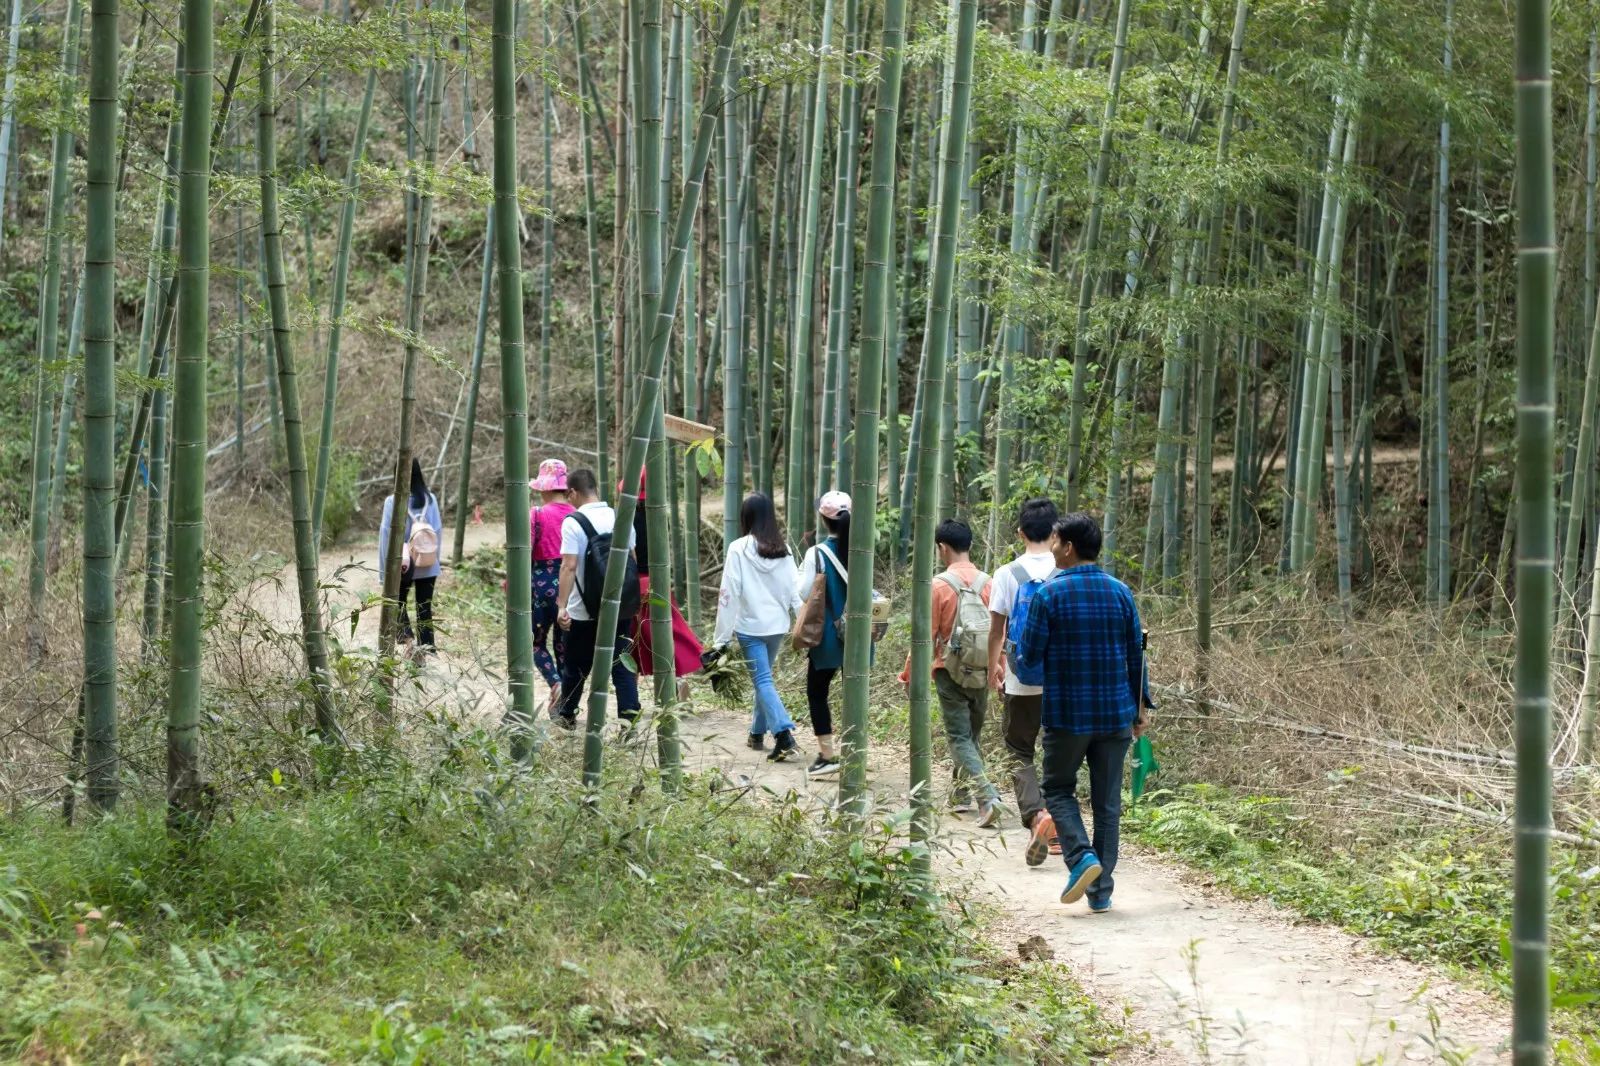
(944, 612)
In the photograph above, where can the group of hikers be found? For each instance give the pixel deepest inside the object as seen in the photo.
(1058, 638)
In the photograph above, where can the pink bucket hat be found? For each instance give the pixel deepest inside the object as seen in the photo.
(833, 504)
(552, 477)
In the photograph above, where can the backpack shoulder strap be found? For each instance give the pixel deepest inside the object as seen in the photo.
(980, 583)
(1020, 572)
(584, 523)
(844, 574)
(950, 579)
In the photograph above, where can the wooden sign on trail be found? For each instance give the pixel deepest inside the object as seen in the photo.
(686, 432)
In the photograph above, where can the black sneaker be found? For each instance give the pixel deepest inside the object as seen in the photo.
(823, 767)
(569, 722)
(784, 747)
(757, 742)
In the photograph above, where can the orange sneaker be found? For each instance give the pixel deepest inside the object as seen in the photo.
(1042, 837)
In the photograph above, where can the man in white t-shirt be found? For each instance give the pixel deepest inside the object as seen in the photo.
(582, 630)
(1011, 589)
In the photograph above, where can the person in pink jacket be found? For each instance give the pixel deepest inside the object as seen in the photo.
(544, 530)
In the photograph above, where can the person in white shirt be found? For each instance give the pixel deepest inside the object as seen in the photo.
(582, 629)
(1011, 590)
(756, 607)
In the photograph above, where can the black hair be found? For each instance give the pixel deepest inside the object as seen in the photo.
(839, 526)
(1037, 519)
(954, 533)
(758, 519)
(419, 486)
(582, 482)
(1082, 532)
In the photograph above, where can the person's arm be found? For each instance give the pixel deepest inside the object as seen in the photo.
(997, 647)
(383, 536)
(569, 572)
(727, 596)
(1135, 644)
(797, 598)
(944, 621)
(806, 575)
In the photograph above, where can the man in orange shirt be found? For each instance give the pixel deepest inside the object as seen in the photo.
(961, 623)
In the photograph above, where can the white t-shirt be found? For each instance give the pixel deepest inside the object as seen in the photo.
(574, 541)
(1003, 596)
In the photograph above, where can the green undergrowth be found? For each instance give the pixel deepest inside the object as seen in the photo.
(1426, 893)
(449, 908)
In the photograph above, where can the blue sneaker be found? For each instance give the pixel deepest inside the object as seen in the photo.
(1099, 906)
(1080, 876)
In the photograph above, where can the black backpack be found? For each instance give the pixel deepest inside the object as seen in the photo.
(591, 576)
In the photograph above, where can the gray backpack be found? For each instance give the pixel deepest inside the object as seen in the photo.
(966, 657)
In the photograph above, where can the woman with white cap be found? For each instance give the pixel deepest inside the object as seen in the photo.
(825, 660)
(544, 529)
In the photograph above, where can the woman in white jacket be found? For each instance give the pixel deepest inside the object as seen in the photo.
(756, 607)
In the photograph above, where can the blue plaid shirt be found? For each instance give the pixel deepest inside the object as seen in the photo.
(1083, 629)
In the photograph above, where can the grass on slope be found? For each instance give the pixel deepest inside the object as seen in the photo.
(450, 909)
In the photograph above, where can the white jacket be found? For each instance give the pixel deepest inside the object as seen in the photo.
(758, 595)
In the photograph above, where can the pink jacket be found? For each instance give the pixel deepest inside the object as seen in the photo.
(544, 529)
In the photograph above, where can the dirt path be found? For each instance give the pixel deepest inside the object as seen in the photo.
(1210, 978)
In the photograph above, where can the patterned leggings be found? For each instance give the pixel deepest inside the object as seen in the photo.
(546, 583)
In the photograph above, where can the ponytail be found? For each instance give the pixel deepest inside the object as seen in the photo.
(839, 526)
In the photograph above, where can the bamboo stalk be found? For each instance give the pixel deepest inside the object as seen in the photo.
(1536, 254)
(313, 634)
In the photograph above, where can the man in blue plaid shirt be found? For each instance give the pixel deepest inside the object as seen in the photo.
(1083, 629)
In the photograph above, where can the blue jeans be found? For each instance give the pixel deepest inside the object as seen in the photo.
(759, 654)
(1063, 754)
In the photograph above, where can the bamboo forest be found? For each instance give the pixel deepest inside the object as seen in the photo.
(934, 531)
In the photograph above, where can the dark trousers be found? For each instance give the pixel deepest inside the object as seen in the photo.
(818, 683)
(424, 590)
(1021, 730)
(579, 660)
(1106, 754)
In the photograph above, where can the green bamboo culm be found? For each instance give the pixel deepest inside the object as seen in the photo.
(513, 387)
(421, 181)
(160, 280)
(591, 212)
(958, 106)
(100, 414)
(341, 280)
(647, 395)
(313, 635)
(49, 330)
(869, 389)
(1536, 271)
(1091, 275)
(1209, 341)
(157, 364)
(188, 478)
(798, 485)
(480, 337)
(547, 228)
(647, 208)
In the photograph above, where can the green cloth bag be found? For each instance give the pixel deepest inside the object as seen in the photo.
(1144, 765)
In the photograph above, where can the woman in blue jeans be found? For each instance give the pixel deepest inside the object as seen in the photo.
(756, 607)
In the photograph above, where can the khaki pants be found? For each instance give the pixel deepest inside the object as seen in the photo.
(963, 711)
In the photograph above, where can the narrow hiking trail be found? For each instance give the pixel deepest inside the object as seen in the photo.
(1210, 978)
